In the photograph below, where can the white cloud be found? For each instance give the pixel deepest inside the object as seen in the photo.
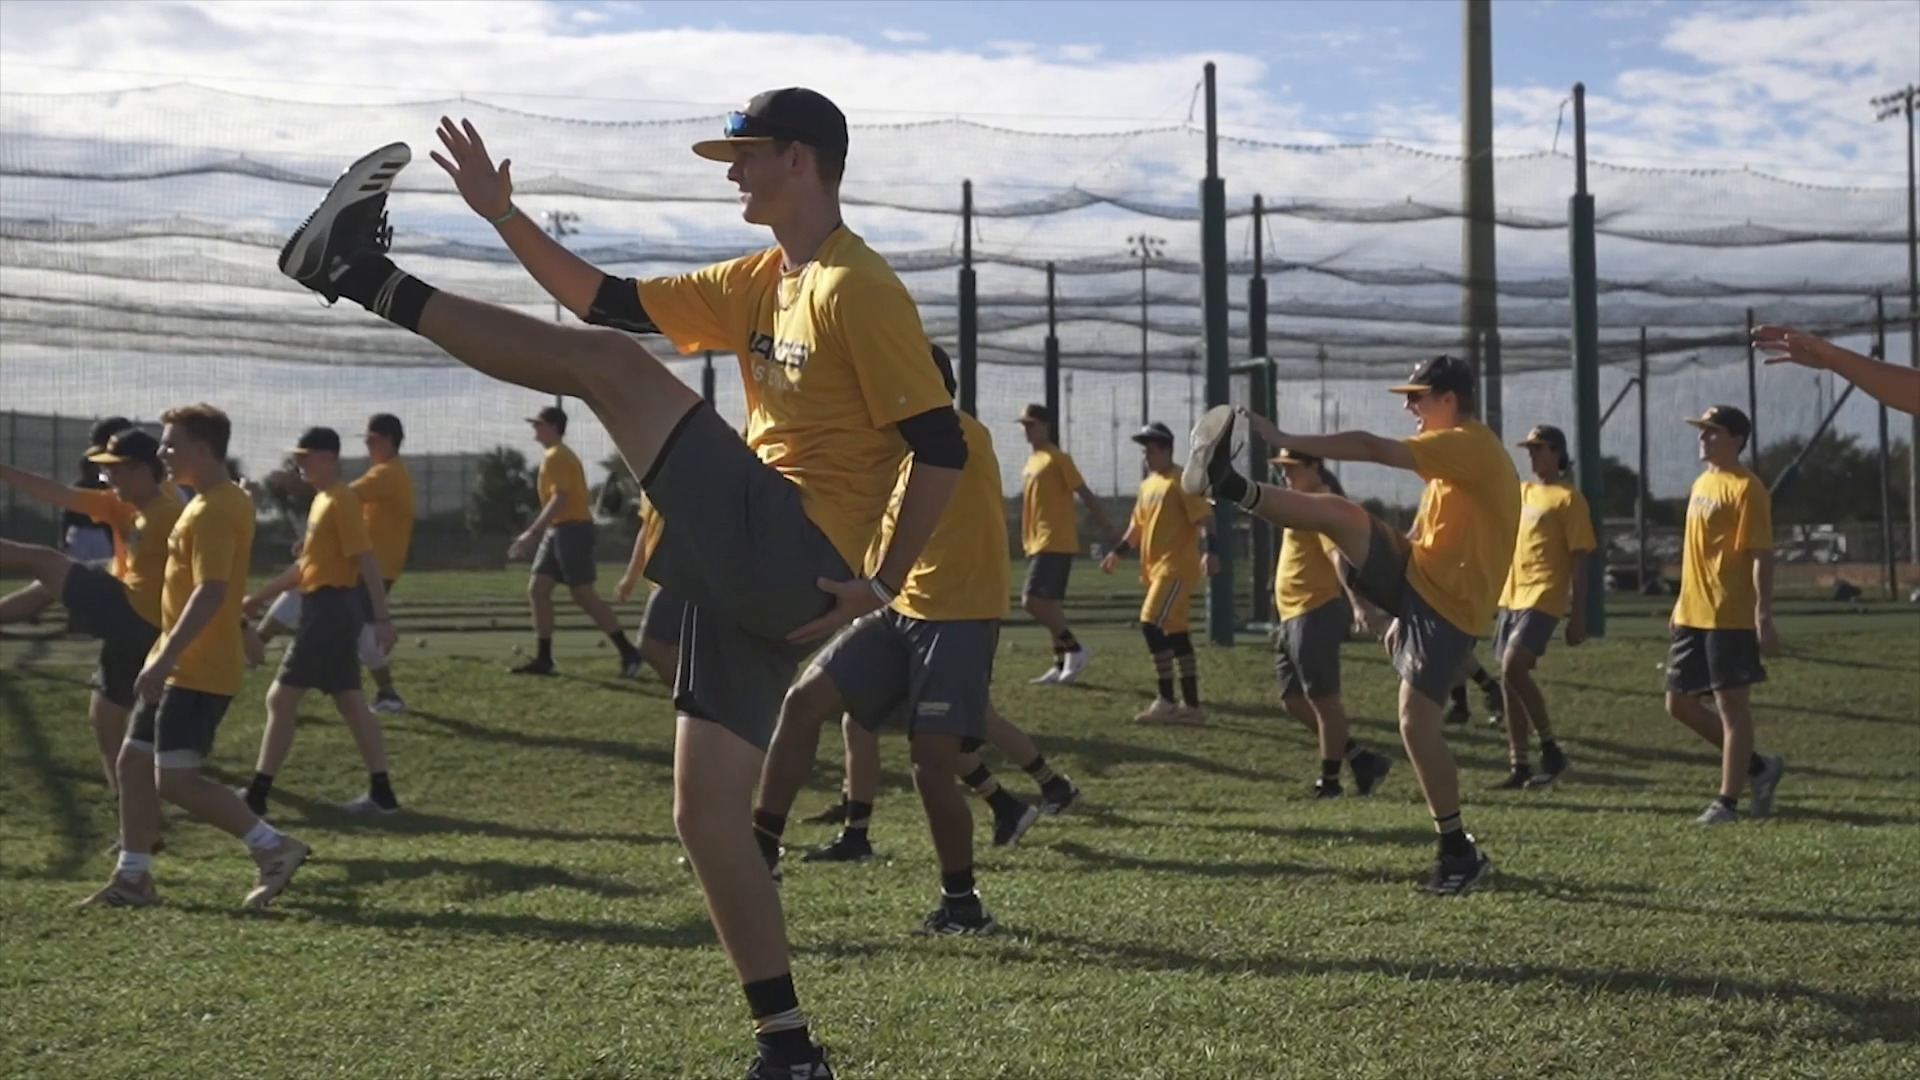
(905, 37)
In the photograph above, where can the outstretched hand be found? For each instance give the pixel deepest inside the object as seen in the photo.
(1259, 425)
(1784, 344)
(487, 189)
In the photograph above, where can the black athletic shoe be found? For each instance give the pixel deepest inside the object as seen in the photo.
(844, 848)
(1009, 828)
(533, 667)
(1458, 875)
(816, 1069)
(1210, 457)
(1553, 762)
(1458, 714)
(1058, 797)
(953, 920)
(351, 221)
(631, 669)
(1369, 769)
(832, 815)
(1516, 779)
(1327, 788)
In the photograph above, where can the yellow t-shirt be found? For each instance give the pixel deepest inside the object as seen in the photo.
(386, 499)
(1306, 576)
(336, 538)
(212, 541)
(1468, 521)
(560, 471)
(139, 541)
(832, 356)
(1729, 517)
(1169, 527)
(1555, 526)
(1048, 519)
(962, 572)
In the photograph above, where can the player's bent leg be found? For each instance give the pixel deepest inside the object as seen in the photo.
(663, 658)
(1460, 865)
(804, 712)
(132, 882)
(1516, 667)
(26, 603)
(371, 740)
(1686, 707)
(936, 756)
(44, 564)
(276, 742)
(109, 722)
(540, 603)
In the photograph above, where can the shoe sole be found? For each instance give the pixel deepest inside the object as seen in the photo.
(1216, 425)
(1543, 781)
(1027, 820)
(366, 178)
(1465, 888)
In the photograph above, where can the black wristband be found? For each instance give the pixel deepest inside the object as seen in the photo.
(1122, 548)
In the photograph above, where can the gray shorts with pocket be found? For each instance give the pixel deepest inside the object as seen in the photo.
(1431, 651)
(1702, 661)
(1529, 628)
(565, 554)
(661, 621)
(932, 677)
(1306, 650)
(178, 728)
(325, 654)
(739, 549)
(1047, 574)
(99, 606)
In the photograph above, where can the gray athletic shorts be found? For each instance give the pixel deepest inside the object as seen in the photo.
(1529, 628)
(738, 548)
(1047, 575)
(932, 677)
(1432, 651)
(662, 619)
(565, 554)
(1306, 650)
(178, 729)
(1703, 661)
(325, 654)
(99, 606)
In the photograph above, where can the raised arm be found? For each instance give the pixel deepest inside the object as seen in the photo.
(1341, 446)
(41, 489)
(1893, 385)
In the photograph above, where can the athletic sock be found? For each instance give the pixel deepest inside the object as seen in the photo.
(779, 1027)
(1548, 746)
(1190, 690)
(1041, 772)
(859, 816)
(372, 281)
(956, 886)
(768, 827)
(1731, 802)
(1354, 751)
(1166, 690)
(262, 837)
(258, 789)
(1756, 765)
(1067, 642)
(1459, 695)
(134, 864)
(1330, 769)
(380, 790)
(545, 655)
(1453, 837)
(1233, 487)
(628, 653)
(1483, 680)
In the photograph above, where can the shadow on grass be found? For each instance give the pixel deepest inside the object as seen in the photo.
(1761, 704)
(1096, 757)
(1682, 813)
(482, 878)
(78, 841)
(411, 822)
(692, 934)
(658, 756)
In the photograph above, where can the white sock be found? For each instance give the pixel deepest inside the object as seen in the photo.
(262, 837)
(134, 864)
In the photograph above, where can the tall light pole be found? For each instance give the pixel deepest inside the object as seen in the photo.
(560, 225)
(1888, 106)
(1147, 249)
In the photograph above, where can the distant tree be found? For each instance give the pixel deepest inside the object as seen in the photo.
(1838, 483)
(619, 493)
(506, 494)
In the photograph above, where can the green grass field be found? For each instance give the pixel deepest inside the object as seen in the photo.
(1197, 915)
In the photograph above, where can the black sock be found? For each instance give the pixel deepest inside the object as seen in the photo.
(1059, 657)
(957, 885)
(1459, 694)
(1041, 772)
(1483, 680)
(545, 655)
(380, 789)
(979, 779)
(1755, 765)
(1067, 642)
(1166, 689)
(1190, 690)
(627, 651)
(767, 829)
(372, 281)
(1005, 804)
(780, 1028)
(1233, 488)
(1330, 769)
(259, 788)
(1353, 751)
(1548, 746)
(859, 816)
(1731, 802)
(1523, 766)
(1453, 838)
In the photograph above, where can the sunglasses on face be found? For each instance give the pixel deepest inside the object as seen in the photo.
(741, 126)
(1416, 397)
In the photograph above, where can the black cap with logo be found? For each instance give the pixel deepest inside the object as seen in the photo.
(1036, 414)
(1154, 432)
(1726, 418)
(552, 414)
(104, 430)
(1442, 374)
(388, 426)
(131, 444)
(794, 114)
(322, 440)
(1546, 435)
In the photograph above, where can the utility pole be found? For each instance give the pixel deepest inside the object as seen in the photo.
(1147, 249)
(1901, 103)
(1481, 313)
(560, 225)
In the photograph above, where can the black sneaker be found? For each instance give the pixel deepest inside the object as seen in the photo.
(966, 918)
(832, 815)
(351, 221)
(1210, 456)
(1327, 788)
(1369, 769)
(1517, 778)
(1058, 797)
(1553, 762)
(1458, 714)
(1009, 828)
(386, 701)
(631, 667)
(844, 848)
(816, 1069)
(1458, 875)
(533, 667)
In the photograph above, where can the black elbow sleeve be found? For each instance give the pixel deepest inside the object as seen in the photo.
(935, 438)
(617, 305)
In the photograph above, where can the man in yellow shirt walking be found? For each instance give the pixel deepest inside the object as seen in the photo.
(1050, 536)
(1440, 588)
(1170, 528)
(1723, 622)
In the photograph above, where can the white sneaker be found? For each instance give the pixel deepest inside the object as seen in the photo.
(1047, 678)
(1716, 813)
(1162, 711)
(365, 805)
(1765, 785)
(1076, 663)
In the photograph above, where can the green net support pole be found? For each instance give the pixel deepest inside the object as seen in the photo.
(1213, 294)
(1584, 276)
(969, 374)
(1051, 375)
(1266, 539)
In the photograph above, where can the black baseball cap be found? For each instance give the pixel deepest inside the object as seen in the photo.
(1726, 418)
(552, 414)
(104, 430)
(794, 113)
(318, 440)
(388, 425)
(1036, 414)
(1548, 436)
(131, 444)
(1154, 432)
(1440, 375)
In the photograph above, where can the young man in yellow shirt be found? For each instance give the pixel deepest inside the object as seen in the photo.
(1548, 577)
(761, 536)
(1316, 614)
(1723, 621)
(1440, 588)
(561, 540)
(120, 607)
(1050, 535)
(1170, 528)
(191, 675)
(342, 592)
